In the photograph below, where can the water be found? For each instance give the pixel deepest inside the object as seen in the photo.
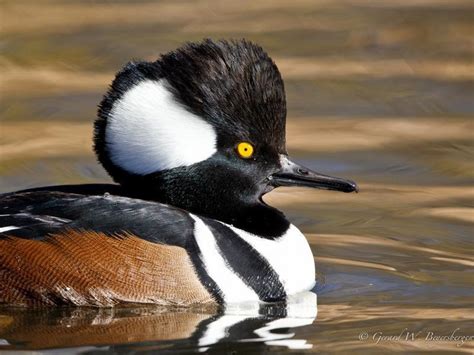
(380, 92)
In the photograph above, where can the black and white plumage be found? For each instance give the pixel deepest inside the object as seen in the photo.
(170, 133)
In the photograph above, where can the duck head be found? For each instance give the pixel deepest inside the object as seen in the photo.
(203, 129)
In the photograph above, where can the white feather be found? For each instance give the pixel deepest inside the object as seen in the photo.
(8, 228)
(289, 255)
(231, 285)
(148, 131)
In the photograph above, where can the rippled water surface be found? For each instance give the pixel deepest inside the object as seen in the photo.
(381, 92)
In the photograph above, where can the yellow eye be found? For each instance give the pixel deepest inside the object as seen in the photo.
(245, 150)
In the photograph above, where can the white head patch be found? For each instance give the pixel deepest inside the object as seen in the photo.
(148, 131)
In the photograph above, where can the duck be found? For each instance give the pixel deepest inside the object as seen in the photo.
(193, 141)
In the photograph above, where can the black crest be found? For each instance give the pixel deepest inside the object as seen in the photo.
(234, 85)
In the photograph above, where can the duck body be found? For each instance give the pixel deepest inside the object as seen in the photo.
(194, 140)
(94, 245)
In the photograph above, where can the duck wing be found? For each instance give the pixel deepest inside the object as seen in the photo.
(35, 214)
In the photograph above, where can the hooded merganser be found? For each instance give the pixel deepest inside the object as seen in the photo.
(194, 140)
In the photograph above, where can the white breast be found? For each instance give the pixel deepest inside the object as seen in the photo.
(290, 256)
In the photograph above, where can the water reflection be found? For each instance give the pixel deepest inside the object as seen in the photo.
(153, 328)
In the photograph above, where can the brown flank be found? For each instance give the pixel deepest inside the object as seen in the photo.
(92, 269)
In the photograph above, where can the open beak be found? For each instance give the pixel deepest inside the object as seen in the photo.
(292, 174)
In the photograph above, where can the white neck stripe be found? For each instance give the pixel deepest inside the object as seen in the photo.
(233, 288)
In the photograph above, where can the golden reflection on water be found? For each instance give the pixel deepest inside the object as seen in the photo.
(49, 328)
(380, 92)
(132, 326)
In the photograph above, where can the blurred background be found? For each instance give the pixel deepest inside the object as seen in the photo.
(378, 91)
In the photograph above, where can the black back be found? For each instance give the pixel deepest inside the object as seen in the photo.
(107, 209)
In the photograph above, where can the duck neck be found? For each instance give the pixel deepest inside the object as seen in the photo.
(259, 219)
(254, 217)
